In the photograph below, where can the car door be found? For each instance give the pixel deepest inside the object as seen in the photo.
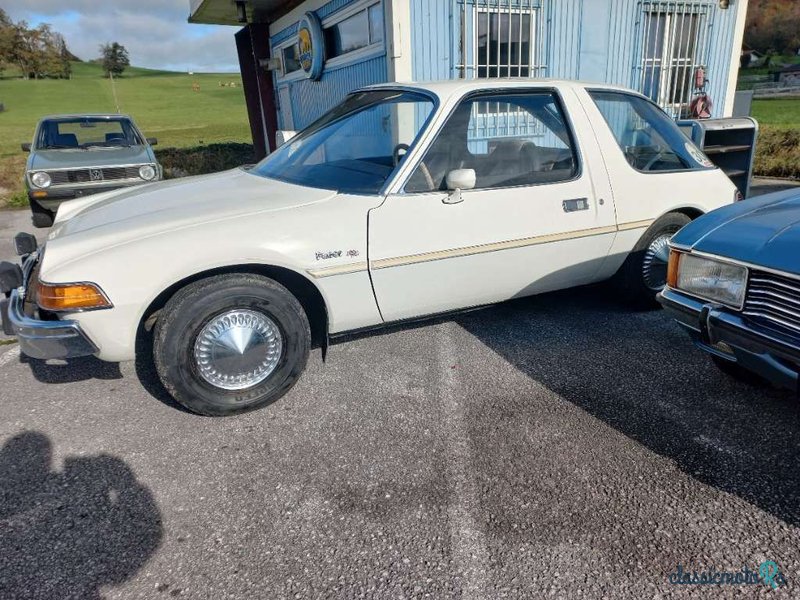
(539, 217)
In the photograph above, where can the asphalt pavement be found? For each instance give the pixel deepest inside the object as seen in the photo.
(560, 446)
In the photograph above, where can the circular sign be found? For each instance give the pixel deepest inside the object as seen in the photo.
(311, 45)
(697, 155)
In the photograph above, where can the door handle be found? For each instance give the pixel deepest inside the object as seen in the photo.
(575, 204)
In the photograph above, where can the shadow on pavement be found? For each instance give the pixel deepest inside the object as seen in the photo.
(639, 373)
(65, 534)
(148, 376)
(71, 370)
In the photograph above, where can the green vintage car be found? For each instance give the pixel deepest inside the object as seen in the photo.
(72, 156)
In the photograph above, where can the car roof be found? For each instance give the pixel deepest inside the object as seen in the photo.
(449, 87)
(85, 116)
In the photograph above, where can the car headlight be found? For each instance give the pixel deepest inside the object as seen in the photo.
(147, 172)
(707, 278)
(41, 179)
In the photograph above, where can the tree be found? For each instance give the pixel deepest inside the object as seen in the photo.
(38, 52)
(773, 26)
(115, 58)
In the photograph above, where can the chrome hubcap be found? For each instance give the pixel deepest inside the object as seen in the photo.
(238, 349)
(654, 265)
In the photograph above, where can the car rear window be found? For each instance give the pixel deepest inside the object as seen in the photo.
(650, 140)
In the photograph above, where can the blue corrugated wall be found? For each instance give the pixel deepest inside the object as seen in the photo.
(432, 40)
(593, 40)
(310, 99)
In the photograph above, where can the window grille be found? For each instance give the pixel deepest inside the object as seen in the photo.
(500, 38)
(674, 38)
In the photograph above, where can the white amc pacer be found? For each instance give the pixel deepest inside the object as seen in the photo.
(404, 201)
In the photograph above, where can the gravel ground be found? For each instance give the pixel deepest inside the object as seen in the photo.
(560, 446)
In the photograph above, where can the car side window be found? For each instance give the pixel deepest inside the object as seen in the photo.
(650, 140)
(510, 139)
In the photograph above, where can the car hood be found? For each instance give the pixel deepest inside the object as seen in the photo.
(97, 157)
(120, 216)
(763, 231)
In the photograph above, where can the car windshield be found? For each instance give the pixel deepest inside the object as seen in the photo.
(356, 146)
(87, 132)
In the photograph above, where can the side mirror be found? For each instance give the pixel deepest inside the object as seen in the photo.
(24, 243)
(26, 147)
(457, 180)
(461, 179)
(152, 141)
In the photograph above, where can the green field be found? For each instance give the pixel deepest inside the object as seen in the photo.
(162, 103)
(782, 113)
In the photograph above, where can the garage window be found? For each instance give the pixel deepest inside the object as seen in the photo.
(501, 38)
(357, 31)
(673, 42)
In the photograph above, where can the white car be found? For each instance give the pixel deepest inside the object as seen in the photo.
(404, 201)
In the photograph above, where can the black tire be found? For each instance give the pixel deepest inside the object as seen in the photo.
(189, 310)
(630, 279)
(736, 371)
(41, 217)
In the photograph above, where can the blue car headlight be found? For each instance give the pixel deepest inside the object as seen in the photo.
(710, 279)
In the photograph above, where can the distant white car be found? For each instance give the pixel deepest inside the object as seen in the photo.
(403, 202)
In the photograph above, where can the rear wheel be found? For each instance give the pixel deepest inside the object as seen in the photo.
(644, 273)
(41, 217)
(231, 343)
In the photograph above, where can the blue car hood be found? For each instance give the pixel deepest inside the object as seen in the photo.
(95, 157)
(764, 231)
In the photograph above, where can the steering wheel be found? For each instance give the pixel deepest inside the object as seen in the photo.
(659, 152)
(396, 153)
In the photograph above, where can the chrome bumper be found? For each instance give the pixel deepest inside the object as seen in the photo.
(714, 329)
(45, 339)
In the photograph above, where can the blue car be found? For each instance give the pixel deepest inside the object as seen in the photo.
(733, 284)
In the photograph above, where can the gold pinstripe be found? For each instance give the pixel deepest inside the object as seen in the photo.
(635, 225)
(397, 261)
(338, 269)
(492, 247)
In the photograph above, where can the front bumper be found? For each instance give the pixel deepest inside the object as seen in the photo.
(718, 331)
(55, 196)
(39, 338)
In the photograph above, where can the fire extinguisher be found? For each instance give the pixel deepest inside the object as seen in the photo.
(701, 105)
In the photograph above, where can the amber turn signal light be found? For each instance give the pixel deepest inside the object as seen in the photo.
(70, 296)
(672, 268)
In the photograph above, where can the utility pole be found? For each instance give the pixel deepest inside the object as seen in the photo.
(114, 90)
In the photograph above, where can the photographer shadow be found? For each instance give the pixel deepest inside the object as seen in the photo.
(66, 534)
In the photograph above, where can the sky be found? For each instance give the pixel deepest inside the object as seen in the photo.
(155, 32)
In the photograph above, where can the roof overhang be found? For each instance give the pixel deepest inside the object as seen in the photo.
(225, 12)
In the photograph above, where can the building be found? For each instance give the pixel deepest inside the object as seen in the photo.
(300, 58)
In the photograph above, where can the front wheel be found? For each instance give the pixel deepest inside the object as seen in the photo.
(644, 273)
(231, 343)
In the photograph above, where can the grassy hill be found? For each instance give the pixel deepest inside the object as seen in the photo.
(162, 103)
